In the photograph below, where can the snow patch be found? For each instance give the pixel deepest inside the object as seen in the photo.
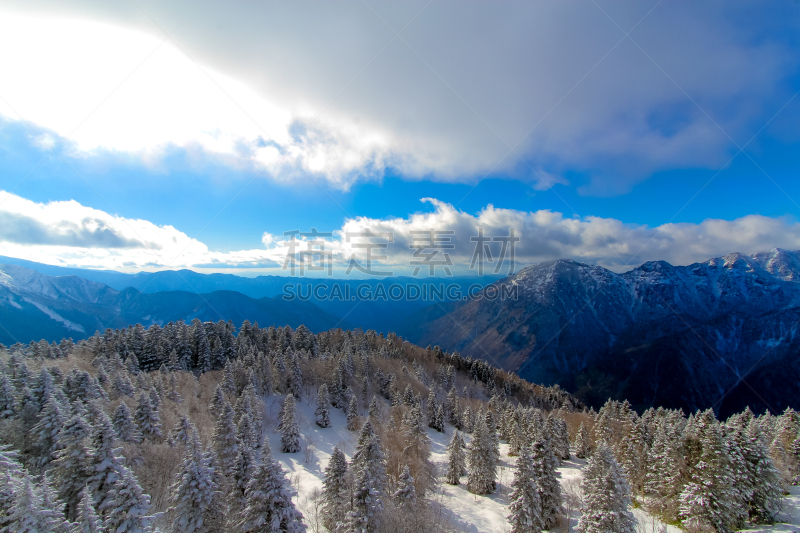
(55, 316)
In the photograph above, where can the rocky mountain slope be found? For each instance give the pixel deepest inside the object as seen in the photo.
(707, 334)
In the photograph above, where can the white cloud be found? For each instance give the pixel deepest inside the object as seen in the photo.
(445, 101)
(68, 233)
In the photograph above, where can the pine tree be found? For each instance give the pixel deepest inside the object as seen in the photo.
(28, 514)
(125, 509)
(290, 431)
(242, 472)
(763, 477)
(46, 431)
(148, 422)
(406, 493)
(456, 459)
(53, 507)
(481, 460)
(246, 432)
(438, 419)
(352, 415)
(87, 520)
(708, 498)
(544, 465)
(322, 413)
(269, 504)
(108, 461)
(607, 499)
(226, 443)
(525, 502)
(124, 424)
(369, 472)
(73, 466)
(8, 401)
(193, 496)
(218, 401)
(583, 444)
(335, 491)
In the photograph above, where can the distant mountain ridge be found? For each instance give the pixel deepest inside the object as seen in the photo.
(597, 332)
(35, 306)
(380, 315)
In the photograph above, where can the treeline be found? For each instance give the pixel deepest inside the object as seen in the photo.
(164, 427)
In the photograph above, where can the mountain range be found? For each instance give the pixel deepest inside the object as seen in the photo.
(722, 333)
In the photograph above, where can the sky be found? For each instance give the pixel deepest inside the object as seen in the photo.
(141, 135)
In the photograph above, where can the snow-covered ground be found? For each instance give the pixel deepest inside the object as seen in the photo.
(468, 512)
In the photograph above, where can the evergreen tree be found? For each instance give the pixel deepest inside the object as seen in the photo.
(46, 431)
(108, 462)
(525, 502)
(53, 507)
(544, 465)
(28, 514)
(764, 480)
(335, 491)
(369, 472)
(181, 434)
(290, 431)
(430, 409)
(226, 443)
(583, 444)
(8, 401)
(607, 499)
(438, 419)
(217, 401)
(269, 504)
(193, 496)
(456, 459)
(246, 432)
(124, 424)
(322, 413)
(87, 520)
(73, 465)
(406, 493)
(242, 472)
(148, 422)
(352, 415)
(481, 460)
(709, 497)
(125, 509)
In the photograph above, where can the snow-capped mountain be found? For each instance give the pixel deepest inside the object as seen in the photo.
(658, 334)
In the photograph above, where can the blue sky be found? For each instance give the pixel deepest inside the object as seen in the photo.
(610, 132)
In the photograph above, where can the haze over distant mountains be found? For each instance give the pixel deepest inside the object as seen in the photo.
(721, 333)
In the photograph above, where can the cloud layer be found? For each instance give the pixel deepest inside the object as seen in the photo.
(533, 90)
(70, 234)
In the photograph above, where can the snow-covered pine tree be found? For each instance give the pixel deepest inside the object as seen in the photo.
(108, 461)
(369, 473)
(246, 432)
(242, 471)
(28, 514)
(125, 509)
(430, 408)
(583, 443)
(124, 424)
(352, 415)
(456, 459)
(544, 465)
(269, 504)
(193, 496)
(226, 443)
(73, 465)
(46, 431)
(87, 520)
(8, 401)
(406, 493)
(763, 477)
(709, 497)
(374, 409)
(481, 460)
(607, 501)
(662, 482)
(323, 412)
(525, 504)
(438, 419)
(53, 506)
(335, 491)
(217, 401)
(181, 434)
(148, 421)
(290, 431)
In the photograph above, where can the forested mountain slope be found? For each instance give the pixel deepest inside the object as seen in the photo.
(656, 335)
